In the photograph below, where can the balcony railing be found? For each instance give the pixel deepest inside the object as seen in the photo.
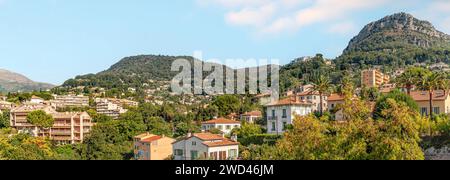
(272, 118)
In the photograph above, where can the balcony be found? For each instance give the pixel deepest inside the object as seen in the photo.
(272, 118)
(61, 133)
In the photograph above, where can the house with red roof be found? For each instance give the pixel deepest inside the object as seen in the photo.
(251, 117)
(205, 146)
(222, 124)
(152, 147)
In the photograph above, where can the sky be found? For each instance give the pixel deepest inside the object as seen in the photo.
(54, 40)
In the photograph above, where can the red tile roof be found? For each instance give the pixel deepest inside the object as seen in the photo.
(292, 100)
(208, 136)
(224, 142)
(151, 139)
(253, 113)
(424, 95)
(335, 97)
(222, 121)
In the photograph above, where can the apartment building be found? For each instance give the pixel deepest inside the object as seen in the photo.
(222, 124)
(441, 102)
(251, 117)
(68, 127)
(205, 146)
(113, 107)
(152, 147)
(374, 78)
(282, 113)
(36, 100)
(69, 101)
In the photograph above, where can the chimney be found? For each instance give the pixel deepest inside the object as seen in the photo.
(189, 134)
(223, 135)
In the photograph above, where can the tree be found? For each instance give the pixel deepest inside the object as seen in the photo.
(431, 82)
(409, 78)
(4, 119)
(382, 103)
(41, 119)
(157, 125)
(227, 104)
(322, 85)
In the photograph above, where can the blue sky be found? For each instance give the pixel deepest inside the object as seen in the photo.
(53, 40)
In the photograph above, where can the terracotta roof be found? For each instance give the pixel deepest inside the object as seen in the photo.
(292, 100)
(263, 95)
(224, 142)
(151, 139)
(222, 121)
(208, 136)
(424, 96)
(308, 93)
(253, 113)
(335, 97)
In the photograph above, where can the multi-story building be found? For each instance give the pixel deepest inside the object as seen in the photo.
(206, 146)
(334, 100)
(374, 78)
(222, 124)
(70, 101)
(251, 117)
(282, 113)
(441, 102)
(313, 97)
(113, 107)
(152, 147)
(5, 106)
(68, 128)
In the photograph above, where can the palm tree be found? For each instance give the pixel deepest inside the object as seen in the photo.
(321, 84)
(431, 82)
(408, 79)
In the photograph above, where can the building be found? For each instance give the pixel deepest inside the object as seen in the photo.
(264, 99)
(334, 100)
(205, 146)
(68, 128)
(282, 113)
(313, 97)
(152, 147)
(441, 102)
(36, 100)
(70, 101)
(113, 107)
(251, 117)
(5, 106)
(373, 78)
(222, 124)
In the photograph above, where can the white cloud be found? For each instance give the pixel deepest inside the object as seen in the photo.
(278, 16)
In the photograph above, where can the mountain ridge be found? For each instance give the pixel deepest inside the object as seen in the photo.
(12, 82)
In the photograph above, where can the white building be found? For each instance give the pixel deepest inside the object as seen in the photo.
(282, 113)
(36, 100)
(222, 124)
(70, 101)
(205, 146)
(313, 97)
(251, 117)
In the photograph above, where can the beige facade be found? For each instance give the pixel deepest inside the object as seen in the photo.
(70, 101)
(68, 128)
(441, 102)
(113, 107)
(152, 147)
(373, 78)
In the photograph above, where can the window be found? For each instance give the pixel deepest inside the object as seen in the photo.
(232, 153)
(178, 152)
(284, 113)
(228, 127)
(332, 106)
(220, 127)
(236, 126)
(424, 111)
(194, 143)
(437, 110)
(194, 155)
(273, 113)
(273, 126)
